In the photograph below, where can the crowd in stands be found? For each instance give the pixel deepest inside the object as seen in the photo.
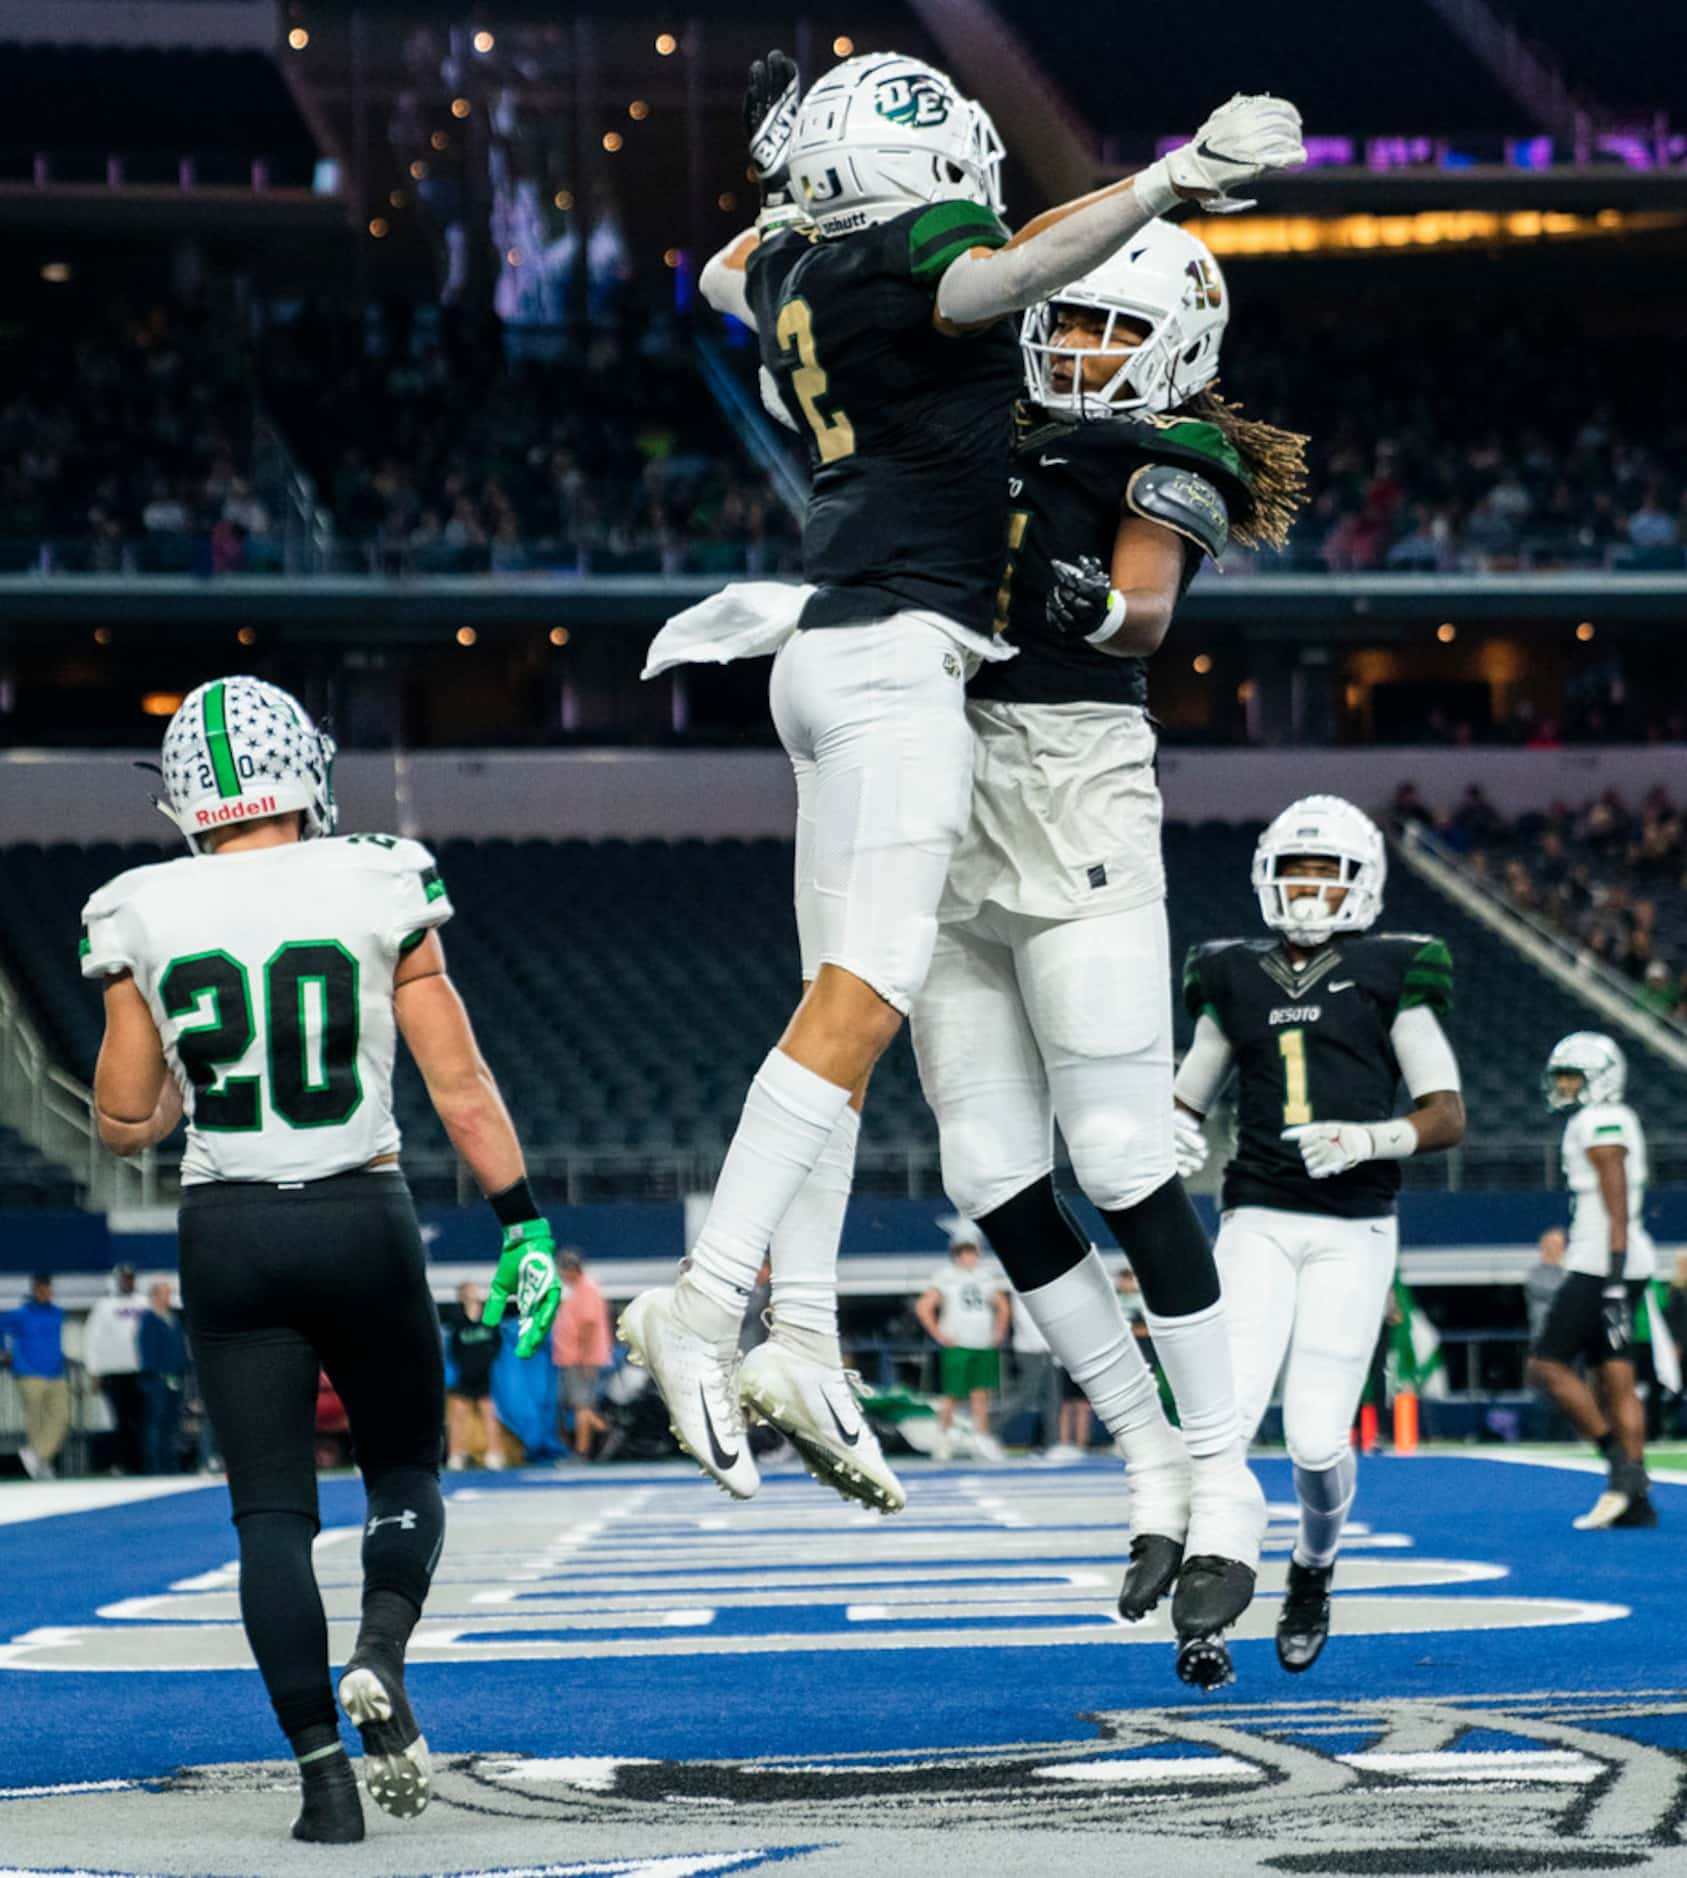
(126, 445)
(446, 448)
(1610, 879)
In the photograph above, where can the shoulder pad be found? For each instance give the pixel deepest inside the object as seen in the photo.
(1182, 500)
(1428, 975)
(397, 852)
(940, 235)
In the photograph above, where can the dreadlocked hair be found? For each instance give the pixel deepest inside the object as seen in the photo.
(1274, 459)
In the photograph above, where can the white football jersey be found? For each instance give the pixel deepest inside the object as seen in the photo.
(269, 975)
(1605, 1125)
(967, 1311)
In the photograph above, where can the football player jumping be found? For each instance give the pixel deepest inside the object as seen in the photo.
(1049, 995)
(879, 280)
(1609, 1260)
(1321, 1023)
(260, 984)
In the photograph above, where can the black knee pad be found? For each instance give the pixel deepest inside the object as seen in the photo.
(1034, 1236)
(1169, 1251)
(404, 1533)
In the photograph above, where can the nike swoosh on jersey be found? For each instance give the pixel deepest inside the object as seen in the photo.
(723, 1459)
(1049, 462)
(849, 1436)
(1346, 984)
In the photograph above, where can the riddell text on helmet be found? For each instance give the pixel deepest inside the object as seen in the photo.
(236, 811)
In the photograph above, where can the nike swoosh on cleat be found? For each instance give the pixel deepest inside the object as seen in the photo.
(849, 1436)
(723, 1460)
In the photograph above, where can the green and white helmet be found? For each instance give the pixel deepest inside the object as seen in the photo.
(239, 749)
(1594, 1057)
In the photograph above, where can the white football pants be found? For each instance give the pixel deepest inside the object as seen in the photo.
(1025, 1021)
(1313, 1287)
(874, 721)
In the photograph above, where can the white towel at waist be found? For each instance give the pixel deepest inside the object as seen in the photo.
(747, 620)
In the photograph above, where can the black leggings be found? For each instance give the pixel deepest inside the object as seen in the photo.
(278, 1283)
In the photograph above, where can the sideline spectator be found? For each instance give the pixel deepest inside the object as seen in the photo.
(968, 1315)
(583, 1349)
(1036, 1379)
(473, 1346)
(1540, 1287)
(161, 1351)
(111, 1353)
(32, 1340)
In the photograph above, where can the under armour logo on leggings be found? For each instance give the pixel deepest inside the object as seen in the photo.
(405, 1522)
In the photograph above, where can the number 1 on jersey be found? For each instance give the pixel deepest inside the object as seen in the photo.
(1297, 1106)
(834, 436)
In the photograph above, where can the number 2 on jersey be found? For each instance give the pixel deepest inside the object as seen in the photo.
(834, 436)
(1297, 1105)
(313, 1083)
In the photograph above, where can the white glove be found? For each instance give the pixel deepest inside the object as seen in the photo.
(1236, 145)
(1189, 1144)
(1332, 1147)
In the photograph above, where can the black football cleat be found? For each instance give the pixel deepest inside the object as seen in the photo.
(396, 1769)
(1303, 1624)
(1640, 1512)
(332, 1812)
(1155, 1561)
(1205, 1663)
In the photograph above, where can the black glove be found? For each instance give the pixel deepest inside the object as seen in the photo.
(1080, 597)
(770, 116)
(1614, 1316)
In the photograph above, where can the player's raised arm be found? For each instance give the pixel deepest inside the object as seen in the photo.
(771, 100)
(1240, 142)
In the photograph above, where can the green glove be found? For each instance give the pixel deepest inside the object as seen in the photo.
(526, 1270)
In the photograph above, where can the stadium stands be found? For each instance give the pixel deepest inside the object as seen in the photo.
(626, 1009)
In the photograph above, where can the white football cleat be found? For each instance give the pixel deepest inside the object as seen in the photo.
(697, 1383)
(815, 1407)
(1605, 1512)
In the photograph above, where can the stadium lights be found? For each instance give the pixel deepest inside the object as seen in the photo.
(666, 45)
(559, 635)
(460, 107)
(726, 201)
(247, 635)
(466, 635)
(298, 39)
(484, 42)
(418, 170)
(514, 256)
(378, 228)
(102, 635)
(56, 272)
(1585, 631)
(1435, 228)
(396, 198)
(1203, 663)
(160, 703)
(671, 257)
(439, 140)
(843, 45)
(612, 141)
(563, 199)
(1446, 632)
(638, 110)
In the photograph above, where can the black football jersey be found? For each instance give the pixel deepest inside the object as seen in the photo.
(909, 432)
(1311, 1046)
(1068, 490)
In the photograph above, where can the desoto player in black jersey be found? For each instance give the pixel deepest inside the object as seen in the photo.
(260, 985)
(879, 281)
(1049, 995)
(1321, 1023)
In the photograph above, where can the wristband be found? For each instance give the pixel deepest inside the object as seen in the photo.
(1111, 621)
(1153, 189)
(1393, 1141)
(515, 1204)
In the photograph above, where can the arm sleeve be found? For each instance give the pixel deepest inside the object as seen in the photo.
(419, 902)
(1205, 1067)
(1426, 1058)
(727, 289)
(976, 288)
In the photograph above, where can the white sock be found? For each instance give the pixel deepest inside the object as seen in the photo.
(1194, 1351)
(788, 1118)
(805, 1249)
(1084, 1324)
(1325, 1494)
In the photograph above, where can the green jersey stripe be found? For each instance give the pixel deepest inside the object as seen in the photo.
(216, 737)
(84, 946)
(946, 217)
(940, 262)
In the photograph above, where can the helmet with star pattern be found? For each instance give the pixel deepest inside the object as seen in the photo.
(240, 749)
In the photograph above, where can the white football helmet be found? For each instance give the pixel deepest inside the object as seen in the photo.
(1167, 280)
(239, 749)
(1325, 827)
(882, 133)
(1596, 1059)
